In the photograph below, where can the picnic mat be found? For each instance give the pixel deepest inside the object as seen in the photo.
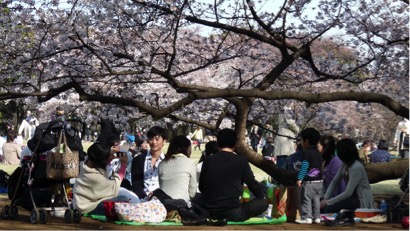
(252, 221)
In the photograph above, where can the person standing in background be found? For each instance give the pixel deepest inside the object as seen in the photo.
(266, 133)
(28, 126)
(58, 114)
(198, 136)
(268, 149)
(255, 136)
(401, 138)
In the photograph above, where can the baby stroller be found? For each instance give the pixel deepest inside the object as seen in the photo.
(31, 189)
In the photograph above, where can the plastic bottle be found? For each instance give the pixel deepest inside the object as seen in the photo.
(269, 194)
(383, 207)
(268, 213)
(246, 194)
(265, 181)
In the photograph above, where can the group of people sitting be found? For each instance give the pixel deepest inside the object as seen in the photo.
(173, 172)
(329, 182)
(375, 154)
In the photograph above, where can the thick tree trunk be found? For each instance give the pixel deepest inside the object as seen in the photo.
(283, 176)
(377, 172)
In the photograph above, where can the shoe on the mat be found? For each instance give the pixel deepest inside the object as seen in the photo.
(317, 220)
(304, 221)
(216, 222)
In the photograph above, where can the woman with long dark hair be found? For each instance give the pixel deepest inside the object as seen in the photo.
(177, 172)
(331, 164)
(358, 193)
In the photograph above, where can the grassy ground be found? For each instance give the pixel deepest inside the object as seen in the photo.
(384, 187)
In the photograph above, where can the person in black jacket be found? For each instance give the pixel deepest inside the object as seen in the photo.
(268, 148)
(144, 167)
(221, 194)
(255, 137)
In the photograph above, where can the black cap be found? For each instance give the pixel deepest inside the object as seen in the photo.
(59, 108)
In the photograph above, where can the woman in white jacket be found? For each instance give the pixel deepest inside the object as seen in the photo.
(94, 185)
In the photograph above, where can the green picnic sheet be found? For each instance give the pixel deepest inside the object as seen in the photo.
(252, 221)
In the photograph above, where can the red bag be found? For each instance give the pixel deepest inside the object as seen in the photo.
(110, 213)
(279, 199)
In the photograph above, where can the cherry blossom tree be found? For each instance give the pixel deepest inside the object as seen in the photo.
(203, 62)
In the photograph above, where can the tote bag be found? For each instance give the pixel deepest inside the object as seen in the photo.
(150, 211)
(62, 163)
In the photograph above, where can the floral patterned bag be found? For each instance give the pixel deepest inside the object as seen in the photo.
(149, 211)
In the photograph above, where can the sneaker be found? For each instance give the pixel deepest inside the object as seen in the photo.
(304, 221)
(317, 220)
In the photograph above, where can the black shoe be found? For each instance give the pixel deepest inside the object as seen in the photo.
(344, 218)
(194, 223)
(341, 223)
(216, 222)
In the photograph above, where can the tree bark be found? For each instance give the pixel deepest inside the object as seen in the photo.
(376, 172)
(395, 169)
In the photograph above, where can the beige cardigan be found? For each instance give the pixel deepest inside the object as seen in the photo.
(92, 187)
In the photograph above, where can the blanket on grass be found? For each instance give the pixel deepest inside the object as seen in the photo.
(252, 221)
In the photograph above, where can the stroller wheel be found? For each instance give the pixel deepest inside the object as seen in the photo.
(14, 212)
(68, 216)
(42, 216)
(34, 216)
(76, 216)
(6, 212)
